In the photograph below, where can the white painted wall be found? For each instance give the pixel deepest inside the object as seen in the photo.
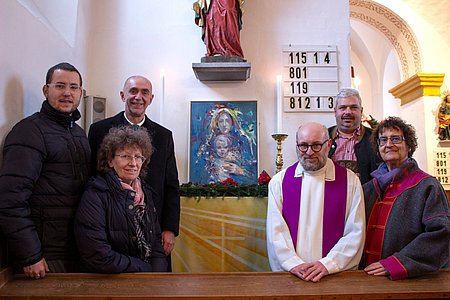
(30, 45)
(374, 54)
(433, 37)
(421, 114)
(147, 36)
(109, 40)
(378, 71)
(391, 105)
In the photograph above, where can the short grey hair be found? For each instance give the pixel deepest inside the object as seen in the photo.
(348, 92)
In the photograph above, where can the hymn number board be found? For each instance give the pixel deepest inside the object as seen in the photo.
(310, 78)
(441, 163)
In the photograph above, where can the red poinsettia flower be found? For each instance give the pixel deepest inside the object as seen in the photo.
(369, 121)
(229, 182)
(264, 178)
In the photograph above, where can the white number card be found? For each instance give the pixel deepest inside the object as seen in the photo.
(310, 78)
(441, 162)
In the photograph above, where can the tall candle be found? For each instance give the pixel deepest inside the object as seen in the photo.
(279, 103)
(161, 105)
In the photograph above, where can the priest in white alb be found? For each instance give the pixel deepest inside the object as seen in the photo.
(315, 215)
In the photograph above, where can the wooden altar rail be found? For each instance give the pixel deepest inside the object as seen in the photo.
(246, 285)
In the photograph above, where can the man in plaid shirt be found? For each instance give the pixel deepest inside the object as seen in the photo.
(351, 147)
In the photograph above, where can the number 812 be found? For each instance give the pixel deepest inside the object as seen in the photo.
(307, 102)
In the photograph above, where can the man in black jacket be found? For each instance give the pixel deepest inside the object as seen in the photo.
(351, 147)
(46, 160)
(162, 174)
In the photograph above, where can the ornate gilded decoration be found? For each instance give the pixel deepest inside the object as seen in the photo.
(418, 85)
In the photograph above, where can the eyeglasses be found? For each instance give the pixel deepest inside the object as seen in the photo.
(63, 87)
(314, 147)
(395, 139)
(129, 158)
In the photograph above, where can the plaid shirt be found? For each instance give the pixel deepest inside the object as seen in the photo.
(346, 146)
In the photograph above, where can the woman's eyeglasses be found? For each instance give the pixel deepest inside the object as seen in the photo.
(129, 158)
(395, 139)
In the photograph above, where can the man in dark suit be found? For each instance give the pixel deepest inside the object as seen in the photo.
(162, 172)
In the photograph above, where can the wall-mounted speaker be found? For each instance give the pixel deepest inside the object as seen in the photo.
(95, 110)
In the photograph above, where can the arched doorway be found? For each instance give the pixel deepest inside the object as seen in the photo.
(384, 52)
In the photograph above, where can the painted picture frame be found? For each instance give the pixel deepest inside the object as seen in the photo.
(223, 142)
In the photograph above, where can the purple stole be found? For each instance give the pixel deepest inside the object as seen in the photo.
(335, 199)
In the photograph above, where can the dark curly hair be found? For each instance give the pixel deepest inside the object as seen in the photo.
(119, 138)
(409, 133)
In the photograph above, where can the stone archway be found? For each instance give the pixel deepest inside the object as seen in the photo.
(395, 29)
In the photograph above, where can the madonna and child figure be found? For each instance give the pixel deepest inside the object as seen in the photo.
(226, 161)
(224, 143)
(444, 118)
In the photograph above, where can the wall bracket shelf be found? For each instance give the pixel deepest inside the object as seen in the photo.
(222, 68)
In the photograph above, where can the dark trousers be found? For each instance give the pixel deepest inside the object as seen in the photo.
(65, 266)
(169, 263)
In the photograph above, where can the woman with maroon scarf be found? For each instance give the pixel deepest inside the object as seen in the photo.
(408, 221)
(116, 226)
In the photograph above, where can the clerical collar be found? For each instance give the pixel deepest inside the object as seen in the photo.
(131, 123)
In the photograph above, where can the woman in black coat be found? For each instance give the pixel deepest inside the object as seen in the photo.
(116, 225)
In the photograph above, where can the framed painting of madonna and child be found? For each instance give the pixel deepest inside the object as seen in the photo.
(223, 142)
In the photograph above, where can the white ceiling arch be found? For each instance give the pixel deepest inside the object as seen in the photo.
(395, 29)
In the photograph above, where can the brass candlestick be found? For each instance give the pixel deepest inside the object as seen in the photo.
(279, 137)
